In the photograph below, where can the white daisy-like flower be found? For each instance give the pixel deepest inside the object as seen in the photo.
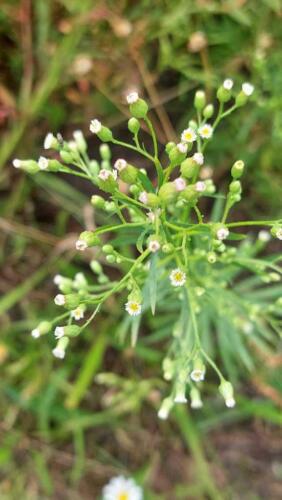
(188, 135)
(264, 236)
(78, 313)
(182, 147)
(95, 126)
(49, 140)
(121, 488)
(177, 277)
(205, 131)
(197, 375)
(120, 164)
(81, 245)
(200, 186)
(43, 163)
(143, 197)
(35, 333)
(133, 308)
(59, 332)
(230, 402)
(222, 233)
(60, 300)
(132, 97)
(59, 353)
(279, 234)
(199, 158)
(17, 163)
(228, 84)
(247, 89)
(154, 246)
(180, 184)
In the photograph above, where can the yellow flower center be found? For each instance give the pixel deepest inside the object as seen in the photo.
(178, 276)
(134, 307)
(188, 136)
(205, 131)
(123, 496)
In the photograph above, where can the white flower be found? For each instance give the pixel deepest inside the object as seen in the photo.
(228, 84)
(81, 245)
(35, 333)
(59, 332)
(206, 131)
(105, 174)
(78, 313)
(78, 135)
(264, 236)
(188, 135)
(58, 279)
(154, 246)
(182, 147)
(180, 184)
(230, 402)
(206, 172)
(43, 163)
(177, 277)
(196, 404)
(180, 398)
(59, 352)
(222, 233)
(17, 163)
(133, 308)
(132, 97)
(165, 408)
(152, 215)
(120, 164)
(200, 186)
(60, 300)
(248, 89)
(143, 197)
(95, 126)
(197, 375)
(279, 233)
(121, 488)
(199, 158)
(49, 140)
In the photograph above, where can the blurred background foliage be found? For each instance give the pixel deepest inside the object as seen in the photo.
(63, 62)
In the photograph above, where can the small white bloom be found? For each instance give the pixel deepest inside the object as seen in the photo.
(197, 375)
(200, 186)
(60, 300)
(104, 174)
(206, 172)
(152, 215)
(180, 184)
(78, 313)
(78, 135)
(247, 327)
(49, 140)
(132, 97)
(228, 84)
(133, 308)
(188, 135)
(59, 332)
(120, 164)
(35, 333)
(182, 147)
(121, 488)
(59, 352)
(177, 277)
(206, 131)
(264, 236)
(17, 163)
(58, 279)
(43, 163)
(143, 197)
(279, 233)
(73, 146)
(199, 158)
(230, 402)
(222, 233)
(196, 404)
(95, 126)
(180, 398)
(248, 89)
(81, 245)
(154, 246)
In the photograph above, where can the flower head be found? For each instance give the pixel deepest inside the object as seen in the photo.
(133, 308)
(59, 332)
(95, 126)
(222, 233)
(199, 158)
(197, 375)
(143, 197)
(121, 488)
(49, 141)
(200, 186)
(132, 97)
(206, 131)
(78, 313)
(81, 245)
(180, 184)
(17, 163)
(188, 135)
(279, 233)
(264, 236)
(60, 300)
(35, 333)
(105, 174)
(120, 164)
(247, 89)
(182, 147)
(43, 163)
(228, 84)
(154, 246)
(177, 277)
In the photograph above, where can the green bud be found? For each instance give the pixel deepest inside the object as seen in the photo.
(211, 257)
(226, 390)
(128, 174)
(54, 166)
(235, 187)
(167, 192)
(110, 207)
(237, 169)
(195, 396)
(29, 166)
(66, 156)
(72, 300)
(105, 152)
(110, 258)
(189, 194)
(169, 146)
(97, 201)
(94, 168)
(139, 109)
(80, 141)
(71, 330)
(208, 111)
(109, 184)
(133, 126)
(200, 100)
(241, 99)
(105, 134)
(134, 189)
(90, 238)
(223, 95)
(108, 249)
(167, 248)
(193, 124)
(153, 200)
(96, 267)
(189, 168)
(43, 328)
(175, 156)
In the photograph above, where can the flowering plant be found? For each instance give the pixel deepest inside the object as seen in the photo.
(171, 258)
